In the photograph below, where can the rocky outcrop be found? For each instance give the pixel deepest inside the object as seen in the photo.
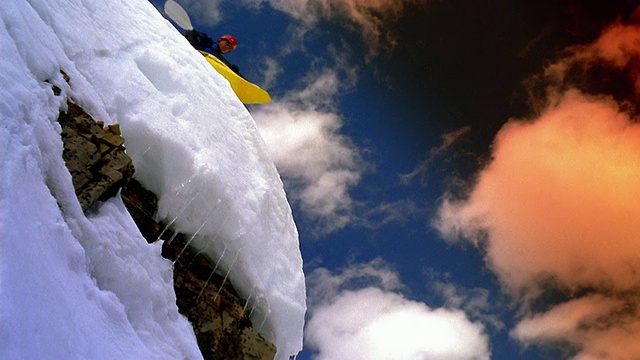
(99, 165)
(219, 317)
(95, 156)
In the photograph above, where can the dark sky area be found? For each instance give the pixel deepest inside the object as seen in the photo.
(465, 62)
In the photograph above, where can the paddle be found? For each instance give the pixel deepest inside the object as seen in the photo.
(177, 14)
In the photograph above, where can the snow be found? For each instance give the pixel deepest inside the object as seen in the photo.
(77, 285)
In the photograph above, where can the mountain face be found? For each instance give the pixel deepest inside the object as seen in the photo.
(79, 280)
(96, 158)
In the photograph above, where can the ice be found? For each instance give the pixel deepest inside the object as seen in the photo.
(92, 285)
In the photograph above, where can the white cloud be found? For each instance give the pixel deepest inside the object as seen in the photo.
(323, 285)
(372, 18)
(271, 73)
(474, 302)
(377, 216)
(373, 322)
(319, 165)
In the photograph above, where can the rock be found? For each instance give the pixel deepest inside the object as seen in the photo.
(95, 156)
(219, 317)
(142, 205)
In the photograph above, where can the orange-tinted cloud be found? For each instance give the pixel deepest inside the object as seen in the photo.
(558, 208)
(618, 48)
(605, 327)
(560, 197)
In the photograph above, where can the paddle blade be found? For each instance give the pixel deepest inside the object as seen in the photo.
(178, 14)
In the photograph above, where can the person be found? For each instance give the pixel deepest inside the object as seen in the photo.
(225, 44)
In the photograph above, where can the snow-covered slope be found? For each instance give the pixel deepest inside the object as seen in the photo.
(88, 286)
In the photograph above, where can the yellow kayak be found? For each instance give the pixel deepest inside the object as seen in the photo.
(247, 92)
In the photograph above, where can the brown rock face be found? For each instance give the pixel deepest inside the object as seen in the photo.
(209, 301)
(95, 156)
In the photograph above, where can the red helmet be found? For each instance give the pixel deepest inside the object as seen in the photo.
(230, 39)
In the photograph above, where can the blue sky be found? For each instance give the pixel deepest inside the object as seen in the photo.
(382, 126)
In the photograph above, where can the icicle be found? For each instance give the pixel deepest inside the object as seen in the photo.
(176, 217)
(264, 320)
(224, 250)
(253, 307)
(246, 304)
(206, 284)
(213, 241)
(220, 258)
(212, 272)
(227, 274)
(195, 234)
(172, 237)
